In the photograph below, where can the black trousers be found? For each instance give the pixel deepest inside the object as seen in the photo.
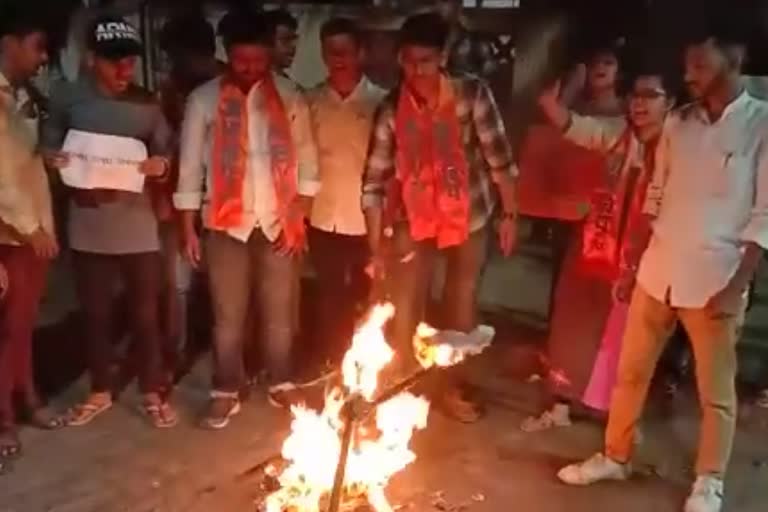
(141, 276)
(343, 285)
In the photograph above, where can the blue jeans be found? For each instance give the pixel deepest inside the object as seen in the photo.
(250, 277)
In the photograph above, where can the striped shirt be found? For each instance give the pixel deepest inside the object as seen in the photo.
(485, 141)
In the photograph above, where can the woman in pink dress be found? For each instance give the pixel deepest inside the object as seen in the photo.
(598, 272)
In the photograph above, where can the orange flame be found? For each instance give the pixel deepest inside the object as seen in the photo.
(312, 449)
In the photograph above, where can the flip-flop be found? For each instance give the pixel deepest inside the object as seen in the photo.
(82, 414)
(161, 415)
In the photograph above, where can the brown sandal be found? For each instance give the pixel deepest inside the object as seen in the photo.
(161, 415)
(84, 413)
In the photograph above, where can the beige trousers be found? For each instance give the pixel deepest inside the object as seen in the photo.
(713, 335)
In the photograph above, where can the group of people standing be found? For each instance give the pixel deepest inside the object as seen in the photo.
(246, 170)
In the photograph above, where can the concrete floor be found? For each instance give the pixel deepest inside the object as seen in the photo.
(119, 464)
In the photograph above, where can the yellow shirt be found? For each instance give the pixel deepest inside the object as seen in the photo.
(25, 198)
(342, 130)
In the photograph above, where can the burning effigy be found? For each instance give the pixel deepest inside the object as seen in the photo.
(350, 450)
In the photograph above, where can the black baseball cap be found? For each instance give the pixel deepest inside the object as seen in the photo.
(111, 37)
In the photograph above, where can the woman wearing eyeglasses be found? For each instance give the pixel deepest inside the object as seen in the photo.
(598, 273)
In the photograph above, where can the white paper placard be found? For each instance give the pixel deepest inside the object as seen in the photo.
(103, 161)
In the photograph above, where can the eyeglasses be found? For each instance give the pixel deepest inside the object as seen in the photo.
(648, 94)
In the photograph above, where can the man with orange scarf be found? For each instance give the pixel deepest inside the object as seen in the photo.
(248, 160)
(439, 157)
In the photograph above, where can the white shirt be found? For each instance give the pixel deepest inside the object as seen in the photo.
(710, 195)
(260, 204)
(342, 129)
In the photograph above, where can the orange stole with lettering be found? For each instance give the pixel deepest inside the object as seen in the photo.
(432, 169)
(602, 231)
(230, 158)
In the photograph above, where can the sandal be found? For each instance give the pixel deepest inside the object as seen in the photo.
(10, 444)
(454, 405)
(221, 408)
(84, 413)
(161, 414)
(45, 419)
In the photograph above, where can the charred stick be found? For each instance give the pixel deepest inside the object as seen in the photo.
(401, 386)
(341, 467)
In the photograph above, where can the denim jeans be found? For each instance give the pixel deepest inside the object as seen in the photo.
(412, 267)
(242, 274)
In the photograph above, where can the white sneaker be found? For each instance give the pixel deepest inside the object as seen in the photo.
(596, 469)
(706, 495)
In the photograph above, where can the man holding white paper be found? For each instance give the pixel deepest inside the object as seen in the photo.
(110, 126)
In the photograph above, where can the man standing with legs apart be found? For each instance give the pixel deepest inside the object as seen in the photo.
(342, 111)
(27, 239)
(439, 155)
(114, 234)
(710, 193)
(248, 156)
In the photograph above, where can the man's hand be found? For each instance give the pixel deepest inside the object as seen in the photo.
(507, 235)
(283, 249)
(192, 250)
(375, 269)
(622, 289)
(4, 281)
(45, 245)
(56, 159)
(549, 98)
(728, 300)
(154, 167)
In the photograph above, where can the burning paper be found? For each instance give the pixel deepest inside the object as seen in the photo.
(448, 348)
(380, 447)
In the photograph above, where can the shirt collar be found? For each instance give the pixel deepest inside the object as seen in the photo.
(734, 107)
(358, 92)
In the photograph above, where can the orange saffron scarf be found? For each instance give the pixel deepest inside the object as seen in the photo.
(230, 160)
(432, 169)
(603, 227)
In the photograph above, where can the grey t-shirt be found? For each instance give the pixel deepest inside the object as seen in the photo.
(126, 225)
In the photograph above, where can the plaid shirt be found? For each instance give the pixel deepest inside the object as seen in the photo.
(485, 143)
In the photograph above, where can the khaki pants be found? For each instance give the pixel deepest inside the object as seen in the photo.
(713, 335)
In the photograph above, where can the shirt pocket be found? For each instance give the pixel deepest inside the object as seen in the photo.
(732, 165)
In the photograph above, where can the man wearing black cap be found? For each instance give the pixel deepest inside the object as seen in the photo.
(114, 234)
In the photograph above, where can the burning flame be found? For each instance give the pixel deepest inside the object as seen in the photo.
(378, 451)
